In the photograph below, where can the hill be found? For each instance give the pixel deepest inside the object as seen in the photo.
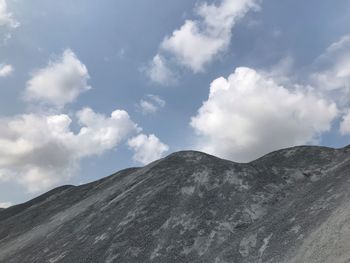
(292, 205)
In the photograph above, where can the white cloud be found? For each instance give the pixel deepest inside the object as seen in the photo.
(198, 42)
(332, 76)
(100, 133)
(6, 18)
(60, 82)
(159, 72)
(151, 104)
(147, 148)
(40, 151)
(5, 204)
(250, 114)
(5, 70)
(192, 48)
(334, 66)
(345, 124)
(6, 38)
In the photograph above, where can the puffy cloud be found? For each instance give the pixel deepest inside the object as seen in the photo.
(5, 204)
(40, 151)
(333, 67)
(185, 43)
(100, 133)
(6, 18)
(5, 70)
(147, 148)
(198, 42)
(250, 114)
(151, 104)
(159, 72)
(60, 82)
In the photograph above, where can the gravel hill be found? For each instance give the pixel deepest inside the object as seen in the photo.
(291, 205)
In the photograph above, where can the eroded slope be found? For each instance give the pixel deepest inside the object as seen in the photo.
(190, 207)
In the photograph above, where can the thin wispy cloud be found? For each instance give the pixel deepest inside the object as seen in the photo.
(6, 70)
(160, 72)
(6, 17)
(332, 68)
(151, 104)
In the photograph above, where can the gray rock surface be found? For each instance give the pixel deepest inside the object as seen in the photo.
(291, 205)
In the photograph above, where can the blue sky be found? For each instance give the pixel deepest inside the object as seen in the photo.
(234, 78)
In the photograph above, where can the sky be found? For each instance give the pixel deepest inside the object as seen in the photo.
(91, 87)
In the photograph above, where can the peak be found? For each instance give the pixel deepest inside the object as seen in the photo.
(298, 155)
(186, 156)
(189, 155)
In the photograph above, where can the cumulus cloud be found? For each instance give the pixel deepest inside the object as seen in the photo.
(60, 82)
(197, 42)
(5, 204)
(147, 148)
(6, 18)
(249, 114)
(151, 104)
(159, 72)
(40, 151)
(6, 70)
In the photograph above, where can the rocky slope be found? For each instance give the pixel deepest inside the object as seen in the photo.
(291, 205)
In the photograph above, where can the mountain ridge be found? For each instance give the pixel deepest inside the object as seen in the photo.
(186, 207)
